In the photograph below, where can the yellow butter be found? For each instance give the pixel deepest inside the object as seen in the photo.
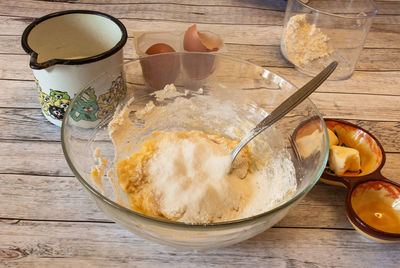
(333, 139)
(342, 159)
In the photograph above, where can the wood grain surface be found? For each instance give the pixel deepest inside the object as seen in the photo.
(48, 220)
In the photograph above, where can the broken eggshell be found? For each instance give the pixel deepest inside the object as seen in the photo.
(199, 67)
(195, 41)
(192, 41)
(175, 39)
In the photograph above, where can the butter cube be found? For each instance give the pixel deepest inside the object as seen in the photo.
(342, 159)
(333, 139)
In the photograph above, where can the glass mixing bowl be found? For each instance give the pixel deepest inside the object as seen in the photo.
(253, 92)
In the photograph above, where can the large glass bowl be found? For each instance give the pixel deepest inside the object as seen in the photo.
(253, 90)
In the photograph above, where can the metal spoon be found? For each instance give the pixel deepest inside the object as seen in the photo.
(285, 107)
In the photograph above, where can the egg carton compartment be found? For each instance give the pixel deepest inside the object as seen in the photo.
(175, 39)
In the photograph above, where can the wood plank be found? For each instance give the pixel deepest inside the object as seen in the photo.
(65, 199)
(48, 219)
(47, 198)
(386, 19)
(266, 4)
(18, 94)
(17, 66)
(358, 107)
(35, 158)
(13, 26)
(10, 44)
(391, 169)
(47, 159)
(27, 124)
(388, 34)
(58, 196)
(52, 244)
(361, 82)
(385, 37)
(270, 56)
(346, 106)
(384, 6)
(161, 11)
(379, 59)
(30, 124)
(380, 35)
(125, 9)
(256, 34)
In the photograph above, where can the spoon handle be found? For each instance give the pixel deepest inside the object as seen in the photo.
(285, 107)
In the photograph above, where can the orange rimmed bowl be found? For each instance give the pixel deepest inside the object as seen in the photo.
(373, 201)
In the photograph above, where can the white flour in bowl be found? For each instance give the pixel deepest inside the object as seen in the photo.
(182, 173)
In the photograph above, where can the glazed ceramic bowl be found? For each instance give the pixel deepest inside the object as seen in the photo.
(253, 90)
(373, 201)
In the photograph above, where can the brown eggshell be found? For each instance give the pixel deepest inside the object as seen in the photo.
(161, 69)
(210, 40)
(192, 41)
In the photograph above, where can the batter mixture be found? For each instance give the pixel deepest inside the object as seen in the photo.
(187, 175)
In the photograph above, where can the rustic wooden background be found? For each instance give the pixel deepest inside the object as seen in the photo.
(46, 218)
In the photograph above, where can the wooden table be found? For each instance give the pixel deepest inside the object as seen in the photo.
(47, 219)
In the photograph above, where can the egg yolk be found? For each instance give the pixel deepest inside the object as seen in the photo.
(380, 216)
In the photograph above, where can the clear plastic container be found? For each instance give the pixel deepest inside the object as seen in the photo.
(144, 40)
(316, 33)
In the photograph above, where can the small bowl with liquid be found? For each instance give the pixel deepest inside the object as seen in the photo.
(373, 201)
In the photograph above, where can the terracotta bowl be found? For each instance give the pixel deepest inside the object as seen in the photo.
(373, 208)
(373, 201)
